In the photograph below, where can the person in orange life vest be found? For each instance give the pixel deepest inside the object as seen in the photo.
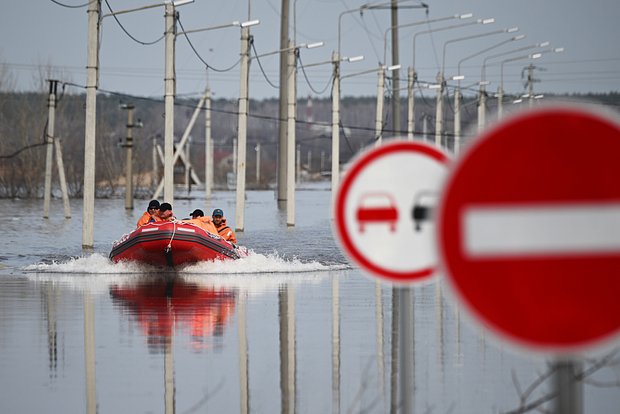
(165, 212)
(150, 215)
(199, 219)
(222, 229)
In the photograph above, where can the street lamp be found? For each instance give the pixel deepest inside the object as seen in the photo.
(208, 143)
(500, 90)
(396, 101)
(457, 92)
(441, 79)
(439, 29)
(412, 77)
(484, 83)
(380, 91)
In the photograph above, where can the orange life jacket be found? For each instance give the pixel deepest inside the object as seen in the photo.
(226, 232)
(204, 223)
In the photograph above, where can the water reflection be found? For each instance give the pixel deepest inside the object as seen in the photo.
(161, 306)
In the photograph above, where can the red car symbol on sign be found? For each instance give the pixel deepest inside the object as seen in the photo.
(377, 207)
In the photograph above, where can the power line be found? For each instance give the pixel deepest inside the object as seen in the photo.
(260, 65)
(127, 33)
(198, 54)
(69, 6)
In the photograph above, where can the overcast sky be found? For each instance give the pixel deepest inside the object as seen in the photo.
(38, 33)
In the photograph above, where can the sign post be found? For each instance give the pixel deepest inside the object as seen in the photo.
(529, 230)
(383, 219)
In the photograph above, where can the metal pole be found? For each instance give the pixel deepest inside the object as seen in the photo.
(335, 124)
(410, 103)
(169, 82)
(569, 389)
(290, 145)
(51, 117)
(208, 146)
(379, 110)
(243, 123)
(129, 160)
(187, 166)
(283, 102)
(94, 10)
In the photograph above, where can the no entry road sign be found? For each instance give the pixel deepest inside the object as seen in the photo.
(529, 229)
(383, 210)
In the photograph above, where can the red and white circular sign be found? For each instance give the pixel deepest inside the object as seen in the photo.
(529, 229)
(384, 206)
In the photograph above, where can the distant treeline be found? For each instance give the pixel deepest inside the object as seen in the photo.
(24, 117)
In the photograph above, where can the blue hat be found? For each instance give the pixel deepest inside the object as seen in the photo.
(218, 212)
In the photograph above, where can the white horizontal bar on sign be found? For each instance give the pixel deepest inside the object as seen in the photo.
(535, 230)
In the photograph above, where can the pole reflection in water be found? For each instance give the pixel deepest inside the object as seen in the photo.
(162, 307)
(89, 354)
(244, 401)
(52, 333)
(394, 403)
(335, 344)
(380, 340)
(287, 348)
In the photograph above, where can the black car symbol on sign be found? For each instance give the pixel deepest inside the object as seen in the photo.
(422, 208)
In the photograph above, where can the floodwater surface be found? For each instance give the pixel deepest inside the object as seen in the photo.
(295, 327)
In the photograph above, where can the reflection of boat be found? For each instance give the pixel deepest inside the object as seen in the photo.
(173, 243)
(163, 306)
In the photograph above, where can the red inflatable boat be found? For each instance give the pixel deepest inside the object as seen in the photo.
(172, 244)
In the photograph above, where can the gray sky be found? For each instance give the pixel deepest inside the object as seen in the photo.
(41, 33)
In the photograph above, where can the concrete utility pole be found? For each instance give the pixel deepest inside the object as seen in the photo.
(379, 109)
(335, 124)
(410, 102)
(242, 130)
(51, 105)
(169, 92)
(290, 145)
(88, 216)
(395, 74)
(129, 160)
(208, 146)
(54, 143)
(283, 103)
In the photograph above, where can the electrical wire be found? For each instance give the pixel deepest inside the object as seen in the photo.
(129, 34)
(68, 6)
(200, 57)
(321, 92)
(261, 67)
